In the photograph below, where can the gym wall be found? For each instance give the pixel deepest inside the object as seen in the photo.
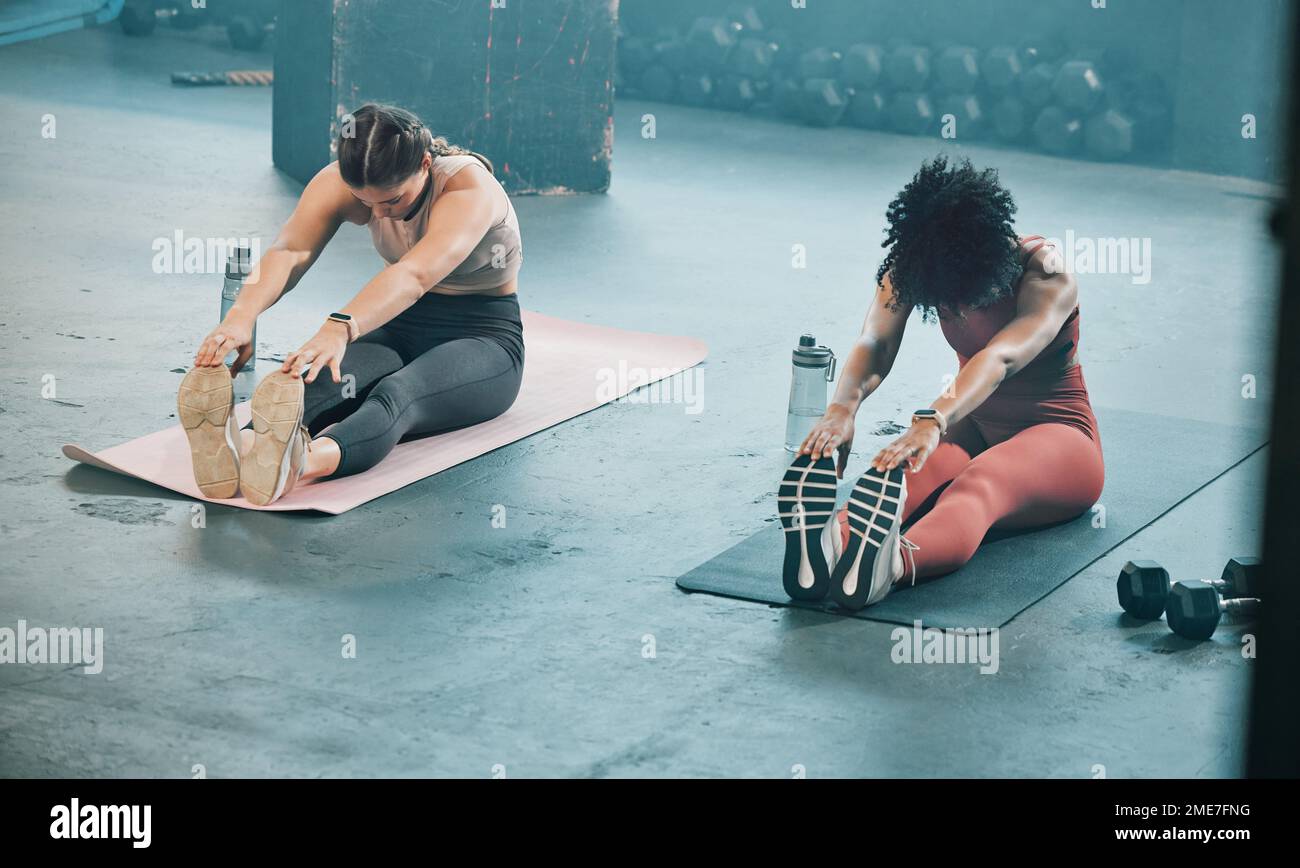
(529, 84)
(1219, 60)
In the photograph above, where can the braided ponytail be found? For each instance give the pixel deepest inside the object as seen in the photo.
(440, 147)
(387, 145)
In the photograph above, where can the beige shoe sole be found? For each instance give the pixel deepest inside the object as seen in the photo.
(205, 406)
(277, 412)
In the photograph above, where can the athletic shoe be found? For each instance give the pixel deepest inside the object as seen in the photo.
(873, 559)
(205, 404)
(275, 462)
(806, 506)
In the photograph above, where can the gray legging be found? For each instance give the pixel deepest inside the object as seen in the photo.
(446, 362)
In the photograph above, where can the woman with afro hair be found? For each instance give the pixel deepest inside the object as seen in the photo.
(1012, 443)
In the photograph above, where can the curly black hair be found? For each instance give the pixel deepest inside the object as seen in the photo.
(950, 239)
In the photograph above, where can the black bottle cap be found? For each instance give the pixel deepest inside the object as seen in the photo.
(238, 262)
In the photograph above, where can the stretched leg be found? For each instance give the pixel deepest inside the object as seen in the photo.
(1044, 474)
(955, 450)
(372, 357)
(457, 383)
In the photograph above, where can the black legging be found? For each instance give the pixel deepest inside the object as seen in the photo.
(445, 362)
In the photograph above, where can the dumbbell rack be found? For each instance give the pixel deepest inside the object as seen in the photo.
(1038, 94)
(247, 22)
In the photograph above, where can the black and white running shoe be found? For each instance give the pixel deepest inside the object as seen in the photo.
(806, 505)
(869, 566)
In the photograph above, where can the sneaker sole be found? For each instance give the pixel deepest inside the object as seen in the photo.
(204, 404)
(277, 406)
(858, 554)
(808, 491)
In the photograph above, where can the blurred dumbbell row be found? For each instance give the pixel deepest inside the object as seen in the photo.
(247, 22)
(1038, 93)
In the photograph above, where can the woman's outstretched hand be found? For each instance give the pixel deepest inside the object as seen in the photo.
(325, 349)
(232, 334)
(913, 447)
(834, 431)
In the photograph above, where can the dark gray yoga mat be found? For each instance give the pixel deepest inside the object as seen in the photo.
(1153, 463)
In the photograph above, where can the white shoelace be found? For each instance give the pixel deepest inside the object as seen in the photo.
(911, 547)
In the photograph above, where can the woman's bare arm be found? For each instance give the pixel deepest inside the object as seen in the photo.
(864, 369)
(872, 355)
(1044, 302)
(462, 214)
(325, 203)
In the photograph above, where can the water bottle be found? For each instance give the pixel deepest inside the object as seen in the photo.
(814, 367)
(238, 265)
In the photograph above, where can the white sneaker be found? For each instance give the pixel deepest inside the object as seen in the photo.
(806, 506)
(873, 559)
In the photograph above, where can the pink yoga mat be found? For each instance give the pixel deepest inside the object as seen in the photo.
(569, 369)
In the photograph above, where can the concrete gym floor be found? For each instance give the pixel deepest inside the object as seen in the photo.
(523, 646)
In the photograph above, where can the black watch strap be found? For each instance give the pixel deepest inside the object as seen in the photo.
(351, 324)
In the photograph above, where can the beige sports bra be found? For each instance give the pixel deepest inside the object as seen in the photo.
(493, 262)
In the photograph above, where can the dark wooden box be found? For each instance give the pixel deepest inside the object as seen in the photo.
(529, 83)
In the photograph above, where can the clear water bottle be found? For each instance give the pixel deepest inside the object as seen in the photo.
(814, 367)
(238, 264)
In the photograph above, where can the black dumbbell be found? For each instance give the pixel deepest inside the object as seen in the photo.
(863, 66)
(968, 115)
(753, 58)
(1143, 586)
(138, 17)
(956, 70)
(787, 96)
(1036, 85)
(1143, 98)
(1135, 120)
(710, 40)
(1195, 608)
(1110, 135)
(912, 113)
(1115, 61)
(824, 102)
(868, 109)
(1009, 119)
(787, 51)
(1078, 86)
(1116, 135)
(907, 68)
(695, 89)
(735, 93)
(1001, 69)
(1058, 131)
(820, 62)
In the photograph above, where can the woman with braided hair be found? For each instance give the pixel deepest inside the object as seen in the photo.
(433, 342)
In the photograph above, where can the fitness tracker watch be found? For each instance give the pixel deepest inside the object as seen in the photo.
(354, 330)
(933, 414)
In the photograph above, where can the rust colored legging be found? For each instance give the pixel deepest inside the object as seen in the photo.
(1017, 462)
